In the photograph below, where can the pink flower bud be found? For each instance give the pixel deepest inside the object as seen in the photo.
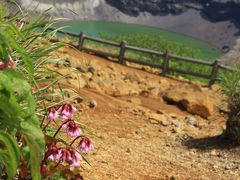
(72, 129)
(53, 113)
(67, 111)
(2, 65)
(71, 157)
(85, 145)
(53, 153)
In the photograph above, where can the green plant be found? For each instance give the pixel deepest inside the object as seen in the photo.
(28, 90)
(231, 87)
(18, 118)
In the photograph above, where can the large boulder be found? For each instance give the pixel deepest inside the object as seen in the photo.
(192, 98)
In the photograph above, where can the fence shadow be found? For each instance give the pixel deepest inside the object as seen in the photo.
(209, 143)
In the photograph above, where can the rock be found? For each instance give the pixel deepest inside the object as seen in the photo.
(214, 153)
(227, 167)
(192, 98)
(116, 116)
(157, 117)
(154, 91)
(165, 122)
(81, 69)
(191, 120)
(93, 104)
(153, 121)
(129, 150)
(176, 123)
(160, 112)
(78, 100)
(91, 69)
(132, 77)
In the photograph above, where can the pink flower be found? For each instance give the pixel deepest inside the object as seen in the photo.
(76, 157)
(54, 153)
(72, 129)
(71, 157)
(85, 145)
(53, 113)
(2, 65)
(67, 111)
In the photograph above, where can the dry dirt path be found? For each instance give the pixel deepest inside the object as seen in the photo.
(131, 144)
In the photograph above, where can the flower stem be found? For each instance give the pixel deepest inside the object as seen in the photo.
(61, 127)
(46, 125)
(75, 139)
(43, 120)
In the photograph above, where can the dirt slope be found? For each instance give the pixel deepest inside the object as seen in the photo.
(137, 135)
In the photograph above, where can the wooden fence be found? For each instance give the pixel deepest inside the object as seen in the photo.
(167, 57)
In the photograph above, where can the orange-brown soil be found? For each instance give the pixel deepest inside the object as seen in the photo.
(137, 135)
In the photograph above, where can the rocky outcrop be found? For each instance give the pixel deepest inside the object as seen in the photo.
(217, 10)
(191, 98)
(155, 7)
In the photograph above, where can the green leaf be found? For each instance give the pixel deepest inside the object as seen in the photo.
(17, 111)
(10, 154)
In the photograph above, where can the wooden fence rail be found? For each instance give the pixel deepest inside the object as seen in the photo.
(167, 57)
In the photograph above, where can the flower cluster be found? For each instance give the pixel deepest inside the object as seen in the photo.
(64, 154)
(67, 154)
(65, 112)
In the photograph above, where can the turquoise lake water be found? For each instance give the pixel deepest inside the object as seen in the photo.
(94, 28)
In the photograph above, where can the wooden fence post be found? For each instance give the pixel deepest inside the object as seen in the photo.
(165, 63)
(213, 75)
(122, 52)
(81, 40)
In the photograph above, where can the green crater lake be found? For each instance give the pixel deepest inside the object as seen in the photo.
(95, 28)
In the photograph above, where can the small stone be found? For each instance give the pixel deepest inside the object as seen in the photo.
(213, 153)
(227, 167)
(116, 116)
(78, 100)
(81, 69)
(172, 178)
(191, 120)
(132, 77)
(157, 117)
(159, 112)
(91, 69)
(129, 150)
(93, 104)
(153, 121)
(165, 122)
(176, 123)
